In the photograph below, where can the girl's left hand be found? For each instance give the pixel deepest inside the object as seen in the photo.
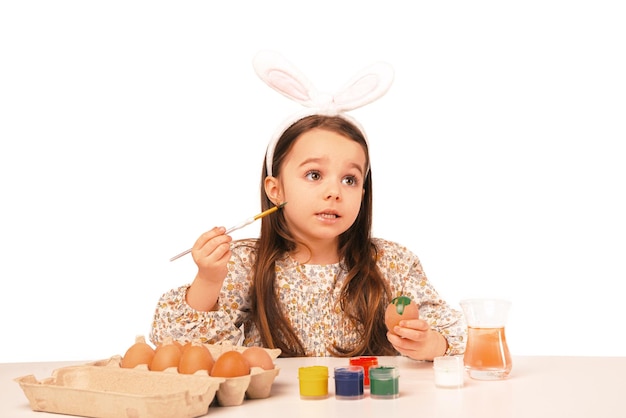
(415, 339)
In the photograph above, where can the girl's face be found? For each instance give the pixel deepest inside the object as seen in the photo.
(322, 180)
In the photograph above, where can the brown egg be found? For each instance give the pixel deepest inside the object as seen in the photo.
(195, 357)
(185, 346)
(138, 353)
(258, 357)
(399, 309)
(166, 355)
(230, 364)
(180, 345)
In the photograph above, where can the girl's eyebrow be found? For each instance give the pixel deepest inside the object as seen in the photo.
(358, 167)
(310, 160)
(319, 159)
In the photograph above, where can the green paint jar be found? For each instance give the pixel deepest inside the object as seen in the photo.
(384, 382)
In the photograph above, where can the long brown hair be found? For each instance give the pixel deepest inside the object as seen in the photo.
(364, 295)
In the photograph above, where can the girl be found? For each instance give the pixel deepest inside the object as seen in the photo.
(315, 283)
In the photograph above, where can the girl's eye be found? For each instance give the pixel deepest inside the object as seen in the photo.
(313, 175)
(350, 181)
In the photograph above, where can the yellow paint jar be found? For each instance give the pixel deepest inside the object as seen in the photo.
(313, 382)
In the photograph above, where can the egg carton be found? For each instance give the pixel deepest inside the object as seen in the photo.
(256, 385)
(101, 392)
(103, 389)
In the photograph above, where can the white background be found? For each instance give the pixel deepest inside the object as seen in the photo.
(128, 128)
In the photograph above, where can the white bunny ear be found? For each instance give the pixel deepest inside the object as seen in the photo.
(284, 77)
(365, 87)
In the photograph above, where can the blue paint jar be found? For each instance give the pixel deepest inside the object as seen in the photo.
(349, 382)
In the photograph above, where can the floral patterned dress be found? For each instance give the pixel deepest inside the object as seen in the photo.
(309, 295)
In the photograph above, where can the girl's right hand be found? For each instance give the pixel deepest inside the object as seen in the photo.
(211, 253)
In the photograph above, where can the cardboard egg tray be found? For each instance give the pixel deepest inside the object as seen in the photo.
(103, 389)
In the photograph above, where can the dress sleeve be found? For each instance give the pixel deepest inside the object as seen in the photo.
(173, 317)
(404, 271)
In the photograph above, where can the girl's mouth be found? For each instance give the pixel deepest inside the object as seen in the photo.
(327, 215)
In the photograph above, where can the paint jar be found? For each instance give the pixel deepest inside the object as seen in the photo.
(449, 371)
(366, 362)
(349, 382)
(313, 382)
(384, 382)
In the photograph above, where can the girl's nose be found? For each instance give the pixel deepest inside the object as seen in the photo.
(332, 193)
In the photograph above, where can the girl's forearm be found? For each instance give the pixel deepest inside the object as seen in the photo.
(203, 295)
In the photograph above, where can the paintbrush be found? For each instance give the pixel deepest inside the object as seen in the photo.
(238, 226)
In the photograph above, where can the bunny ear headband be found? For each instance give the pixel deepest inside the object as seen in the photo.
(365, 87)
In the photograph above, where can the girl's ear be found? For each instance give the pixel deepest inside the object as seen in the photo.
(272, 190)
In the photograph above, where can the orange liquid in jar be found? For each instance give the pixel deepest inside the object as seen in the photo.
(487, 355)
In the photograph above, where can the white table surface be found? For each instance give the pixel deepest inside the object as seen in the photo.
(569, 387)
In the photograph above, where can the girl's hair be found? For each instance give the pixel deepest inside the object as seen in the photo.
(364, 295)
